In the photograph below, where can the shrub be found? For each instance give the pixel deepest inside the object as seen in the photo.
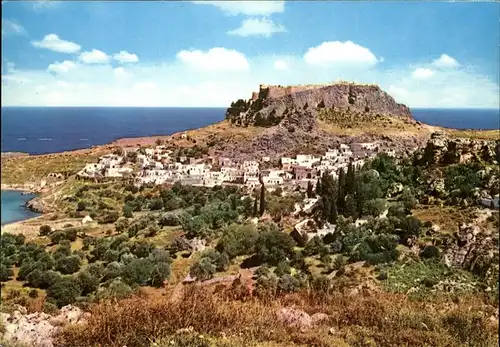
(338, 262)
(113, 270)
(161, 272)
(64, 292)
(203, 269)
(81, 206)
(115, 289)
(68, 265)
(179, 244)
(5, 272)
(109, 217)
(431, 251)
(127, 211)
(121, 224)
(45, 230)
(159, 255)
(156, 204)
(274, 246)
(33, 293)
(238, 240)
(87, 282)
(288, 284)
(282, 269)
(321, 283)
(138, 271)
(170, 219)
(315, 246)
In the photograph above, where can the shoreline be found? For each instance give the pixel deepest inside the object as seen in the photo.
(27, 188)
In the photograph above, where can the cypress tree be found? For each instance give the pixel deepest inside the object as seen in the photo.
(333, 213)
(309, 190)
(255, 207)
(341, 191)
(318, 187)
(350, 179)
(262, 206)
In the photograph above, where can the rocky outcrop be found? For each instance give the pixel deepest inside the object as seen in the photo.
(475, 251)
(38, 329)
(273, 104)
(296, 120)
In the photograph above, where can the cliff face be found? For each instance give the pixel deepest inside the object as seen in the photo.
(271, 104)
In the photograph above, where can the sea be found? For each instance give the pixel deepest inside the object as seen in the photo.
(41, 130)
(13, 209)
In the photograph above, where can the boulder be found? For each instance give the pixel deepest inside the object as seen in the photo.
(87, 219)
(318, 318)
(294, 318)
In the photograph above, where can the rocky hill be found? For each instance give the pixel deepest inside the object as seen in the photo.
(272, 104)
(313, 118)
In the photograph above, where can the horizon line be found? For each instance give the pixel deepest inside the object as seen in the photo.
(100, 106)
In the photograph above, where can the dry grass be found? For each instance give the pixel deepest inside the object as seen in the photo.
(33, 168)
(447, 217)
(223, 130)
(476, 134)
(374, 319)
(389, 126)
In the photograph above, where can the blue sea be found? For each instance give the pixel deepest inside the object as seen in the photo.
(39, 130)
(13, 209)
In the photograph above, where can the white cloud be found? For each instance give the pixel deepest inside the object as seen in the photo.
(126, 57)
(218, 58)
(334, 52)
(175, 83)
(63, 84)
(12, 28)
(257, 27)
(249, 8)
(120, 72)
(44, 4)
(445, 61)
(422, 73)
(145, 85)
(60, 67)
(94, 57)
(54, 43)
(280, 65)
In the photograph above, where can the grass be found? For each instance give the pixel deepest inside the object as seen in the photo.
(389, 126)
(32, 169)
(375, 318)
(446, 217)
(476, 134)
(420, 278)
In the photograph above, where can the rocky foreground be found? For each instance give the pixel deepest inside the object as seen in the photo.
(39, 328)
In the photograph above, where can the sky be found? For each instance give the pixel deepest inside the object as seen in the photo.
(209, 53)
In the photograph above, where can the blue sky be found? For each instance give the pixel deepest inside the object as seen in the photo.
(208, 53)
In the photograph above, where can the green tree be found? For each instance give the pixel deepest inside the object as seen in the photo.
(127, 211)
(5, 272)
(45, 230)
(160, 273)
(68, 265)
(238, 240)
(262, 205)
(87, 282)
(81, 206)
(255, 207)
(138, 271)
(64, 292)
(350, 180)
(310, 190)
(203, 269)
(274, 246)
